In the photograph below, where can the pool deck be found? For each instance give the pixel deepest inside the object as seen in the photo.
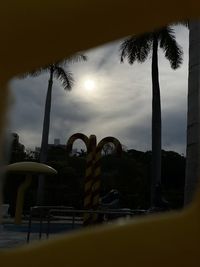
(11, 239)
(12, 236)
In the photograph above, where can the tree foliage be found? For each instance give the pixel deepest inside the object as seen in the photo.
(130, 175)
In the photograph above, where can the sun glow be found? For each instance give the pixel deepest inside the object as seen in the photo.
(89, 87)
(89, 84)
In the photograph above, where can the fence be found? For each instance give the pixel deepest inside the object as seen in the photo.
(71, 216)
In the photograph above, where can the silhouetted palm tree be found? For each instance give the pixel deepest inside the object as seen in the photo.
(56, 70)
(138, 48)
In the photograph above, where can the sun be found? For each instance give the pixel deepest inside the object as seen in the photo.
(88, 87)
(89, 84)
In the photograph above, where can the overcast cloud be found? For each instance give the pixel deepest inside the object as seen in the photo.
(120, 104)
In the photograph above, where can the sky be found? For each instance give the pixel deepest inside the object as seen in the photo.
(108, 99)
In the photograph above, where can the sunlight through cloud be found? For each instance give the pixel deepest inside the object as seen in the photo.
(89, 84)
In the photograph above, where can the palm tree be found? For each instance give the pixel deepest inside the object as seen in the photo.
(136, 48)
(56, 70)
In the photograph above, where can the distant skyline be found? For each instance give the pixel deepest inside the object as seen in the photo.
(108, 98)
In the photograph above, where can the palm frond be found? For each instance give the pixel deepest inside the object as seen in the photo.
(184, 23)
(35, 73)
(78, 57)
(173, 52)
(65, 77)
(136, 48)
(124, 49)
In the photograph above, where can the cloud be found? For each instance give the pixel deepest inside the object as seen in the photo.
(120, 105)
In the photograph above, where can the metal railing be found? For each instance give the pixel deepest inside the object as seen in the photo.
(41, 214)
(70, 215)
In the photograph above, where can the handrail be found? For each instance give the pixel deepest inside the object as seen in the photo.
(68, 210)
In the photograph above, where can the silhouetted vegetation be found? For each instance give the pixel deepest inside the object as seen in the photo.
(130, 175)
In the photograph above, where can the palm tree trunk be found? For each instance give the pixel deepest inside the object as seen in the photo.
(193, 116)
(156, 128)
(45, 138)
